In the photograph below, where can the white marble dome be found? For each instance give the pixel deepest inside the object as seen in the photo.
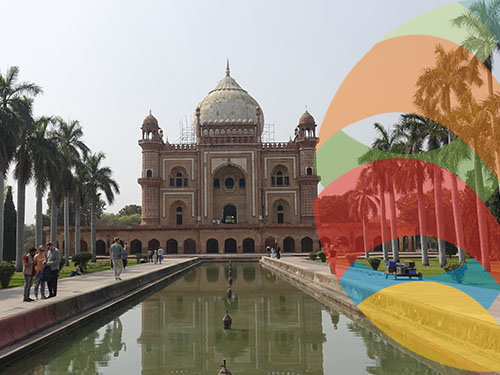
(229, 103)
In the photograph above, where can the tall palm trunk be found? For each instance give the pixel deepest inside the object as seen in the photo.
(383, 222)
(481, 214)
(422, 221)
(394, 226)
(438, 203)
(53, 221)
(77, 229)
(92, 231)
(2, 206)
(39, 216)
(457, 215)
(21, 204)
(66, 229)
(365, 237)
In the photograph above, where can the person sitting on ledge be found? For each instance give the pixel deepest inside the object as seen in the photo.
(77, 271)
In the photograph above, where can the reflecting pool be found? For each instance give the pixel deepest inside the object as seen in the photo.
(277, 329)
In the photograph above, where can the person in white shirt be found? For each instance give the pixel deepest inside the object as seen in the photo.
(160, 254)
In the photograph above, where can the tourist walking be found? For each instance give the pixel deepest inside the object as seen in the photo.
(278, 252)
(116, 258)
(150, 255)
(268, 251)
(28, 272)
(273, 252)
(160, 254)
(155, 257)
(125, 256)
(53, 260)
(39, 266)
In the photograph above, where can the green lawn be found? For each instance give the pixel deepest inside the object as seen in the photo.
(431, 270)
(100, 265)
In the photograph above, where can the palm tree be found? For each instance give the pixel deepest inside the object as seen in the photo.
(46, 165)
(11, 94)
(452, 75)
(482, 21)
(410, 131)
(72, 150)
(362, 203)
(79, 198)
(23, 171)
(386, 143)
(99, 180)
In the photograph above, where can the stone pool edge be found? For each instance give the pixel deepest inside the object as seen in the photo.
(60, 314)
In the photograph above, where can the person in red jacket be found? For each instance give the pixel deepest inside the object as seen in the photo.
(28, 271)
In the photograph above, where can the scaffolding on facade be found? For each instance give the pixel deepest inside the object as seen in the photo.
(186, 130)
(268, 133)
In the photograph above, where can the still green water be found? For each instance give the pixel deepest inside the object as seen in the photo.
(276, 330)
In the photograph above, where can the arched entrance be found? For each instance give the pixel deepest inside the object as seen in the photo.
(289, 245)
(212, 246)
(100, 247)
(230, 245)
(189, 246)
(172, 247)
(306, 245)
(230, 214)
(83, 246)
(248, 245)
(135, 247)
(153, 244)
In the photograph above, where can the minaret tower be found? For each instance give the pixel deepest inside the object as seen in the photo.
(305, 138)
(150, 179)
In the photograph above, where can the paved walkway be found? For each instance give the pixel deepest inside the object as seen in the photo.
(11, 300)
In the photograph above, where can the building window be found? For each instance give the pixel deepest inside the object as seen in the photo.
(216, 183)
(178, 179)
(309, 171)
(149, 173)
(178, 216)
(242, 183)
(229, 183)
(280, 177)
(281, 214)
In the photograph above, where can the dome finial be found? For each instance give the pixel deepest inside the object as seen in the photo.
(150, 112)
(228, 71)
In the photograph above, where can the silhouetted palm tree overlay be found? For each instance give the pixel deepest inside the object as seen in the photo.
(410, 130)
(386, 142)
(99, 180)
(363, 204)
(482, 22)
(12, 93)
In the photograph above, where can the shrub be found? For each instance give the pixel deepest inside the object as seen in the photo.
(458, 273)
(321, 255)
(6, 272)
(140, 257)
(82, 259)
(374, 263)
(313, 255)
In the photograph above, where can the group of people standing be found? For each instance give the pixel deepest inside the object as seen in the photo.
(273, 252)
(155, 256)
(44, 268)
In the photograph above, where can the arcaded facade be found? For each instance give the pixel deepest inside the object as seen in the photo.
(227, 192)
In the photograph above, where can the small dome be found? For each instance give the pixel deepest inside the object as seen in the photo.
(307, 120)
(150, 122)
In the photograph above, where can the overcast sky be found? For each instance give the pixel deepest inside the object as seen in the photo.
(107, 63)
